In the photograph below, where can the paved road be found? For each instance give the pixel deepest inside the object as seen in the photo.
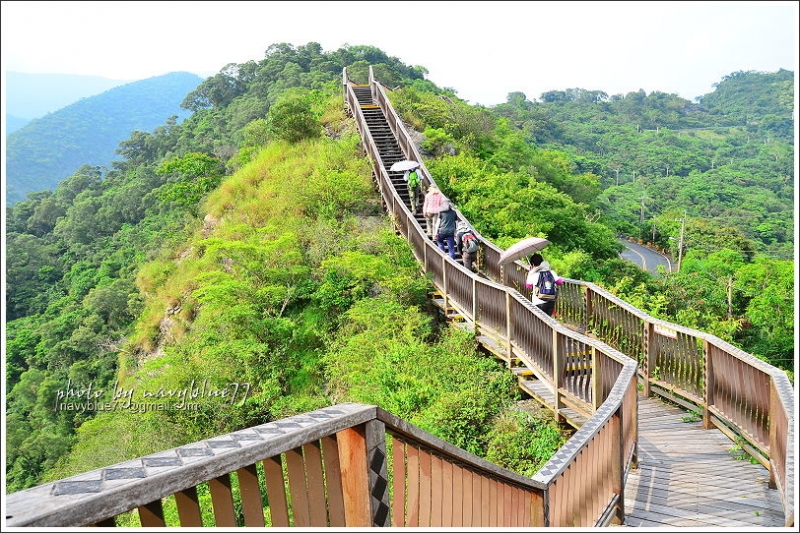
(646, 258)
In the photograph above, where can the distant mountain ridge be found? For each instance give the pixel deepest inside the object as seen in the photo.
(30, 96)
(49, 149)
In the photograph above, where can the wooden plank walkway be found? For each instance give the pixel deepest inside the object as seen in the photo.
(687, 477)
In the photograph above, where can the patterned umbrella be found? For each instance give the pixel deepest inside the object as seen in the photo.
(523, 248)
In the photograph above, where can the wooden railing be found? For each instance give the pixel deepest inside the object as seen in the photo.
(747, 399)
(329, 467)
(588, 483)
(357, 465)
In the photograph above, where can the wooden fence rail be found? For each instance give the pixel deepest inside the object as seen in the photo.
(748, 400)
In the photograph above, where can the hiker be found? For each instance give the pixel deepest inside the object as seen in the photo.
(461, 229)
(467, 245)
(544, 283)
(431, 207)
(446, 229)
(413, 180)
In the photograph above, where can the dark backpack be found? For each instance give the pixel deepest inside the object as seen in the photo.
(469, 243)
(546, 288)
(413, 179)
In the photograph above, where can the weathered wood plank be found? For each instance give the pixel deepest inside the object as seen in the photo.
(250, 494)
(688, 491)
(458, 496)
(312, 455)
(686, 477)
(412, 519)
(355, 476)
(298, 491)
(333, 481)
(222, 501)
(188, 505)
(398, 483)
(436, 491)
(424, 489)
(698, 515)
(276, 491)
(152, 514)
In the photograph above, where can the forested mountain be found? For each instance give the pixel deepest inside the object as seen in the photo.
(88, 132)
(30, 96)
(14, 123)
(247, 245)
(728, 158)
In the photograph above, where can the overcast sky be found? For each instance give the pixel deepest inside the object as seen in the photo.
(482, 50)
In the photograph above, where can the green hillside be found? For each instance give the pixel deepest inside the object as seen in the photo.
(247, 246)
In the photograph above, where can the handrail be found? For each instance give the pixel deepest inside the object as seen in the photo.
(609, 397)
(749, 400)
(328, 467)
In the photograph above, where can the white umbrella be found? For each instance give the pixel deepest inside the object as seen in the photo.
(403, 165)
(522, 248)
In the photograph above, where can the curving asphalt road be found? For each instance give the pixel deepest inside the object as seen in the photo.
(644, 257)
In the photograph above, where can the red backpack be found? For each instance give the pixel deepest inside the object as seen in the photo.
(469, 243)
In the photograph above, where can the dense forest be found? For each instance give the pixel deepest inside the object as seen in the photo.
(245, 250)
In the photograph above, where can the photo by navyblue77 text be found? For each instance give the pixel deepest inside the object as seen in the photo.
(82, 397)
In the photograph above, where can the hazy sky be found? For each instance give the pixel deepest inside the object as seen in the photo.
(482, 50)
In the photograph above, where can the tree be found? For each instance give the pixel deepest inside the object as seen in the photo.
(196, 174)
(293, 117)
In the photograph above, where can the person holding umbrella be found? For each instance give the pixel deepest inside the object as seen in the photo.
(413, 178)
(414, 182)
(544, 282)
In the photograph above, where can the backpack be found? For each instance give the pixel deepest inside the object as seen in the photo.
(469, 243)
(546, 286)
(413, 179)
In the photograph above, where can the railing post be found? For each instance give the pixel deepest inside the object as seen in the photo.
(344, 87)
(475, 306)
(589, 309)
(444, 283)
(537, 510)
(508, 328)
(774, 405)
(558, 364)
(708, 388)
(649, 354)
(355, 478)
(372, 90)
(378, 488)
(618, 466)
(597, 381)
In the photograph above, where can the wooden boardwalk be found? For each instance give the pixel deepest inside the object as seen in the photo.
(687, 476)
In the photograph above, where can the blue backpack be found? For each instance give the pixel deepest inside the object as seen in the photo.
(546, 288)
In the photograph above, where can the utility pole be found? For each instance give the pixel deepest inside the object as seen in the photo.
(641, 212)
(730, 297)
(680, 243)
